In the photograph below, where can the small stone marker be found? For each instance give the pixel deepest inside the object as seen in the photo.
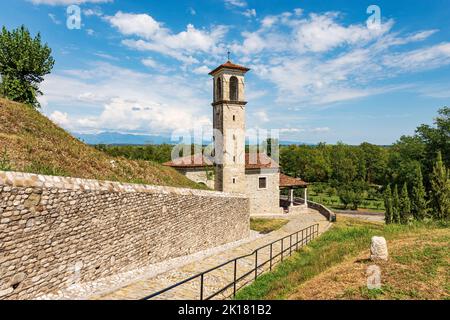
(378, 249)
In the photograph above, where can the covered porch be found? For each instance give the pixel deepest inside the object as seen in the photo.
(289, 203)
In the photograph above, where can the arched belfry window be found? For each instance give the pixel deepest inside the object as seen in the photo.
(219, 90)
(234, 89)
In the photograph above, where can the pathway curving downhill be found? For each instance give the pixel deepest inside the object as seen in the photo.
(218, 278)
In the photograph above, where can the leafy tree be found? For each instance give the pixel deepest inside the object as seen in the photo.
(346, 196)
(404, 157)
(24, 61)
(436, 138)
(375, 158)
(388, 205)
(440, 189)
(404, 205)
(344, 164)
(419, 202)
(353, 194)
(395, 206)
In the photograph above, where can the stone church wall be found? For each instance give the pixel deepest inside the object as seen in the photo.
(56, 232)
(200, 175)
(264, 201)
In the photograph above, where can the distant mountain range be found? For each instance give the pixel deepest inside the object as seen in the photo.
(115, 138)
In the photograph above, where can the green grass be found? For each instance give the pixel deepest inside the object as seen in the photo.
(265, 226)
(347, 238)
(333, 201)
(30, 142)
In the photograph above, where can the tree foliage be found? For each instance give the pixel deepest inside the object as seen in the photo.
(404, 205)
(440, 189)
(396, 206)
(24, 61)
(419, 203)
(387, 195)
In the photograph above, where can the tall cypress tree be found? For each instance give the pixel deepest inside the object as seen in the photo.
(440, 189)
(404, 205)
(388, 204)
(395, 206)
(419, 203)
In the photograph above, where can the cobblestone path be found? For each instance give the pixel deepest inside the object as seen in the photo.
(219, 278)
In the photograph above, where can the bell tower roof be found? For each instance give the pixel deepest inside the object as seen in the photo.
(229, 65)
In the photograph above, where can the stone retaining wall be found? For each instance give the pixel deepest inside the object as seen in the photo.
(330, 215)
(56, 232)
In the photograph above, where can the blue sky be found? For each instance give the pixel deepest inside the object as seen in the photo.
(318, 72)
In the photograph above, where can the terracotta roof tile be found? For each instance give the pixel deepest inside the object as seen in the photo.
(287, 181)
(229, 65)
(259, 161)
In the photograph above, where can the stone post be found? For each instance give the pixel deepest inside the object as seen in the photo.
(306, 198)
(378, 249)
(292, 196)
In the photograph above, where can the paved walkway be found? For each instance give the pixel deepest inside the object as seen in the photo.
(377, 217)
(219, 278)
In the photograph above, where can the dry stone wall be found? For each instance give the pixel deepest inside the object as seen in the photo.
(56, 232)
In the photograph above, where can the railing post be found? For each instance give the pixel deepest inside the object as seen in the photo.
(235, 277)
(290, 245)
(202, 278)
(311, 233)
(271, 255)
(256, 264)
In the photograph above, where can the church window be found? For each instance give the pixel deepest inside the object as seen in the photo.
(262, 183)
(234, 89)
(234, 118)
(219, 91)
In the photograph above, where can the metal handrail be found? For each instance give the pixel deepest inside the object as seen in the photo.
(311, 233)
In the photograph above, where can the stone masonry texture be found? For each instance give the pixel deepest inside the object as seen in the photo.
(56, 232)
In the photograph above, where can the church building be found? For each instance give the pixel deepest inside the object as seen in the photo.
(231, 169)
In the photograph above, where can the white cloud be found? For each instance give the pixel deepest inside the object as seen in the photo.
(235, 3)
(54, 19)
(96, 12)
(141, 25)
(320, 33)
(149, 63)
(67, 2)
(202, 70)
(420, 59)
(320, 129)
(317, 59)
(262, 116)
(105, 56)
(155, 37)
(116, 98)
(249, 13)
(60, 118)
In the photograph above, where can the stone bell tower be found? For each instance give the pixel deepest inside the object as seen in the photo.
(229, 127)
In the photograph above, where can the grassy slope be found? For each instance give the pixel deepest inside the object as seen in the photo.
(35, 144)
(334, 265)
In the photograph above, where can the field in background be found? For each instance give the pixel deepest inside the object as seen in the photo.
(325, 194)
